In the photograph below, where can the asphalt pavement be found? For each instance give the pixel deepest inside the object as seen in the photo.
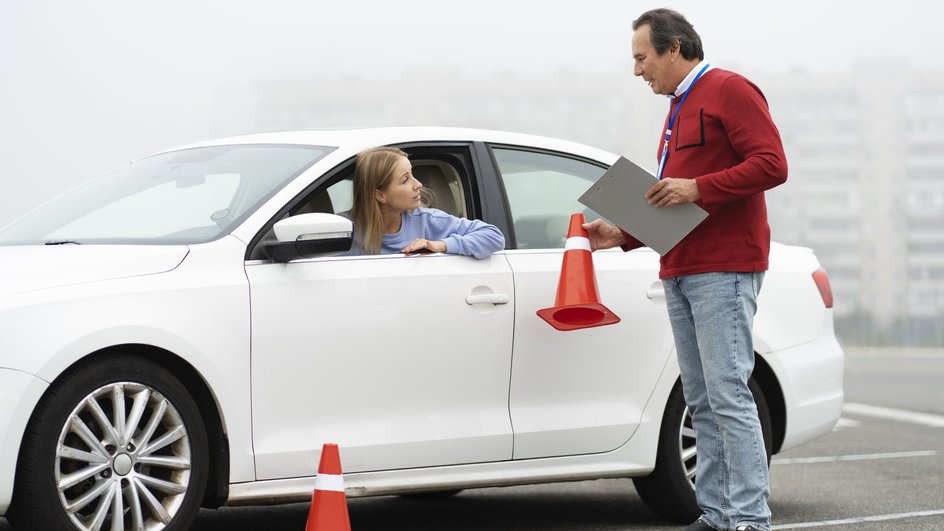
(881, 468)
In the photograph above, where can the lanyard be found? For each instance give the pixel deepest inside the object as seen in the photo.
(668, 130)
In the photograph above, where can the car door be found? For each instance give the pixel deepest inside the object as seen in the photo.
(388, 356)
(580, 391)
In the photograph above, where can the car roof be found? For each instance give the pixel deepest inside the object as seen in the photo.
(355, 140)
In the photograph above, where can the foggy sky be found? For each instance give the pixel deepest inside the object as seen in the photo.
(91, 85)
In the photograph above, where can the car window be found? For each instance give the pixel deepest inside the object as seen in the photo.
(442, 188)
(542, 190)
(335, 198)
(188, 196)
(341, 195)
(214, 193)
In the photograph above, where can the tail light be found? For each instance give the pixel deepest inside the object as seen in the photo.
(822, 282)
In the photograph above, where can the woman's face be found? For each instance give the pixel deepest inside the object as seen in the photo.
(402, 192)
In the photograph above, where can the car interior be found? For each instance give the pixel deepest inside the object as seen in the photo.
(441, 185)
(442, 189)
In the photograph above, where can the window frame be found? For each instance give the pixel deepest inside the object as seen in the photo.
(461, 155)
(511, 240)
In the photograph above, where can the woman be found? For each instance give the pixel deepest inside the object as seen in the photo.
(388, 217)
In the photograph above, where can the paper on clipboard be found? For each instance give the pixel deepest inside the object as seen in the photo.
(619, 196)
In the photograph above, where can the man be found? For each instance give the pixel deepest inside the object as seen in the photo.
(721, 150)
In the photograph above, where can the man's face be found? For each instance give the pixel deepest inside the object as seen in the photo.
(652, 67)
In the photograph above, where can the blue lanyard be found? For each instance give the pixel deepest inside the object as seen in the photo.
(668, 130)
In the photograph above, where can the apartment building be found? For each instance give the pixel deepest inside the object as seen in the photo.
(866, 191)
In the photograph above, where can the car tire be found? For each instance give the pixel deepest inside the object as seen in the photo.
(85, 463)
(670, 491)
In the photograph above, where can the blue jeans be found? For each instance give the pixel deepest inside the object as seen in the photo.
(712, 315)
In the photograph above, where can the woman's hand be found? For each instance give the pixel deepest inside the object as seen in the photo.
(420, 245)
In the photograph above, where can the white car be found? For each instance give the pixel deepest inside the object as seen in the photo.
(182, 332)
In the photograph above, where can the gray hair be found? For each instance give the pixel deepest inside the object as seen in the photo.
(666, 27)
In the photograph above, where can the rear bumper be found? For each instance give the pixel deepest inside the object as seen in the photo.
(811, 380)
(19, 393)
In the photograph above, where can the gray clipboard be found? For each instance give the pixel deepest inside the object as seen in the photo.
(619, 196)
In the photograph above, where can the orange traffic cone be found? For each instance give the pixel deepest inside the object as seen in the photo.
(578, 303)
(328, 504)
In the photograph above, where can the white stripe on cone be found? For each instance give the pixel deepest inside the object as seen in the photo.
(577, 242)
(331, 482)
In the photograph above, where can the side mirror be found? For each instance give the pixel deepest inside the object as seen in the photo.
(310, 235)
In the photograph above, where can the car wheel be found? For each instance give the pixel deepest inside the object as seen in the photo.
(117, 443)
(670, 490)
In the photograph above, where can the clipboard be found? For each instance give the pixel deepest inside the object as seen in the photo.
(619, 196)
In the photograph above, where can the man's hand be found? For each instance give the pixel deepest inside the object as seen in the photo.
(603, 235)
(671, 192)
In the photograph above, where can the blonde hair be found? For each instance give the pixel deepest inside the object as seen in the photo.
(372, 172)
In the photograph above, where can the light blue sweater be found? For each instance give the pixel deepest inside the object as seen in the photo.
(469, 237)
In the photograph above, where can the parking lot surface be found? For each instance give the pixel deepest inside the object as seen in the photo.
(881, 468)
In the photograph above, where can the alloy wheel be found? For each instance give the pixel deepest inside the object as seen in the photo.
(123, 460)
(686, 443)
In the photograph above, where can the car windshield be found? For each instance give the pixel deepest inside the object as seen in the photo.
(187, 196)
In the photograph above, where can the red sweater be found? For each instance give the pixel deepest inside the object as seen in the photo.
(725, 139)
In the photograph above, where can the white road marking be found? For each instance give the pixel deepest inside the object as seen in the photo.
(900, 415)
(860, 457)
(846, 521)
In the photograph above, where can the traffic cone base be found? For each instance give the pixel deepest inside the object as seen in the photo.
(579, 316)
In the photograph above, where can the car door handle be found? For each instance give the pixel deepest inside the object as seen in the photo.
(656, 292)
(492, 298)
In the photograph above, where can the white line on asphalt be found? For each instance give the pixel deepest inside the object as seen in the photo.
(901, 415)
(844, 521)
(860, 457)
